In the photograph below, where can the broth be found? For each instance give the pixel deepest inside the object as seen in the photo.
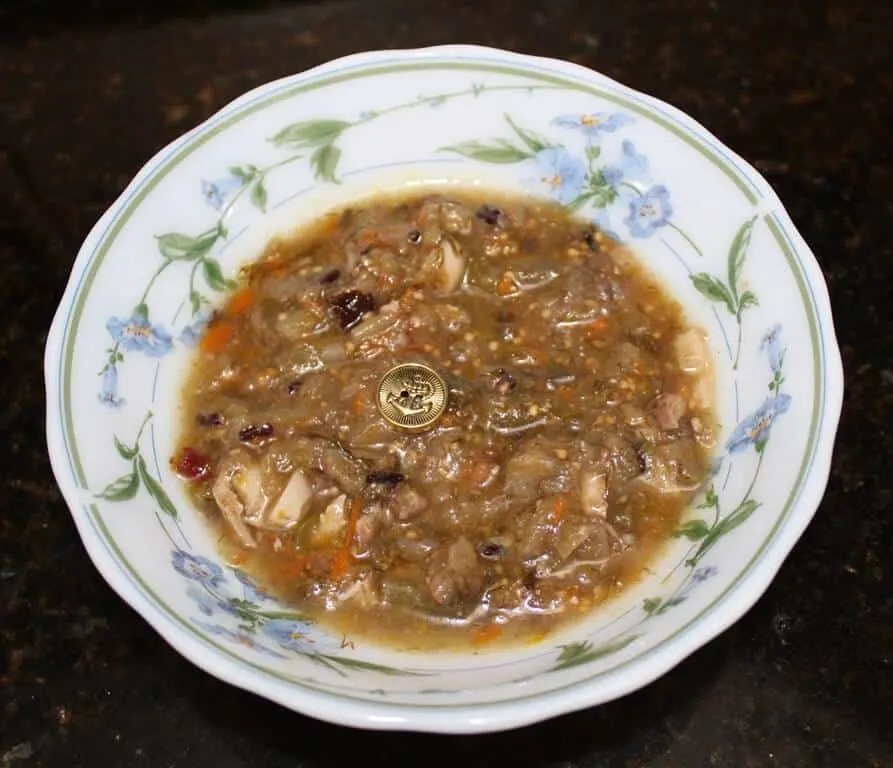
(577, 420)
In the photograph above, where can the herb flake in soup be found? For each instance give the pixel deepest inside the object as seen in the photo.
(577, 424)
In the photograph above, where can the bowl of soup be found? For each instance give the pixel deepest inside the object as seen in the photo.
(443, 390)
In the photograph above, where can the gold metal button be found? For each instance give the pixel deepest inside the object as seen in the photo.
(412, 396)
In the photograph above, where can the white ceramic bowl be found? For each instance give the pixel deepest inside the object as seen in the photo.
(699, 216)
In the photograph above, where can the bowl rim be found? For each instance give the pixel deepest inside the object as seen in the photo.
(466, 718)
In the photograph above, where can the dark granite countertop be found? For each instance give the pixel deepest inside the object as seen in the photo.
(804, 89)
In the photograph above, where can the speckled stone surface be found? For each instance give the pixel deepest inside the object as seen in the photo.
(803, 89)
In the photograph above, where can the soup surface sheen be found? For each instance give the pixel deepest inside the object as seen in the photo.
(577, 423)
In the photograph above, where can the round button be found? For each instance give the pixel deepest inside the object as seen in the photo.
(412, 396)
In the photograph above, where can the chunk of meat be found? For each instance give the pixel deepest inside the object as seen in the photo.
(573, 535)
(332, 521)
(594, 492)
(382, 332)
(291, 505)
(592, 544)
(407, 502)
(452, 265)
(672, 467)
(343, 469)
(242, 498)
(297, 324)
(248, 484)
(615, 453)
(603, 542)
(454, 573)
(527, 470)
(668, 409)
(446, 216)
(538, 531)
(320, 455)
(367, 526)
(238, 493)
(416, 550)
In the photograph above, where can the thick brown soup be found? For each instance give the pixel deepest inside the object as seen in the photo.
(577, 421)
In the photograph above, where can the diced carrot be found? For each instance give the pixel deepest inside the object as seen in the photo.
(243, 300)
(360, 402)
(339, 564)
(506, 286)
(564, 392)
(597, 326)
(559, 509)
(340, 561)
(484, 635)
(356, 507)
(217, 337)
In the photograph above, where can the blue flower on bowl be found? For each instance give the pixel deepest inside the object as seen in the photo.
(563, 172)
(217, 192)
(208, 602)
(137, 334)
(593, 123)
(649, 211)
(754, 430)
(771, 345)
(291, 635)
(197, 568)
(632, 166)
(698, 576)
(191, 333)
(703, 573)
(109, 392)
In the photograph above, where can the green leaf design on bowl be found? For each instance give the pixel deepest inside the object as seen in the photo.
(574, 654)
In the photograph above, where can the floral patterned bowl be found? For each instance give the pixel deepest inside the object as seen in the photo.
(701, 218)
